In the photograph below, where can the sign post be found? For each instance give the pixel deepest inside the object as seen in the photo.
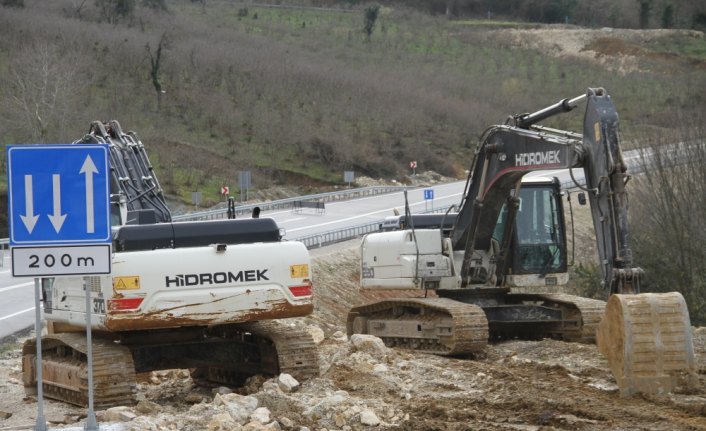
(244, 180)
(59, 217)
(348, 176)
(429, 196)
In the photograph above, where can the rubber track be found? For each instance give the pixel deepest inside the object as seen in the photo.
(297, 354)
(591, 314)
(113, 370)
(469, 331)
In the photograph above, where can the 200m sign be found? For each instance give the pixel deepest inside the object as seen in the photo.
(67, 260)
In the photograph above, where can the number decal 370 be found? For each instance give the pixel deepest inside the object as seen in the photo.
(99, 305)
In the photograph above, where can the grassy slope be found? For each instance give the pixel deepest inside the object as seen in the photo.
(301, 95)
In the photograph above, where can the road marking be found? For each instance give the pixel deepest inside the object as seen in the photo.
(16, 286)
(16, 314)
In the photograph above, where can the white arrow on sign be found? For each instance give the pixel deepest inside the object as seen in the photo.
(57, 219)
(29, 219)
(89, 168)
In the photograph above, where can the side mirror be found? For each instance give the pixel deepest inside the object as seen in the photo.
(582, 198)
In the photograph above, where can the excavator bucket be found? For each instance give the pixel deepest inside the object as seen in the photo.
(646, 339)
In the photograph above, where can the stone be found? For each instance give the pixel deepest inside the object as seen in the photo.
(253, 384)
(369, 418)
(257, 426)
(287, 383)
(5, 415)
(380, 369)
(119, 414)
(261, 414)
(339, 419)
(286, 422)
(239, 407)
(370, 344)
(339, 336)
(222, 422)
(316, 333)
(143, 423)
(60, 419)
(193, 398)
(146, 407)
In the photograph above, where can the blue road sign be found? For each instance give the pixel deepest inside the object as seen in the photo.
(428, 194)
(58, 194)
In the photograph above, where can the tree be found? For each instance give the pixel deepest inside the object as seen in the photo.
(41, 89)
(668, 210)
(155, 63)
(371, 16)
(114, 10)
(645, 12)
(668, 16)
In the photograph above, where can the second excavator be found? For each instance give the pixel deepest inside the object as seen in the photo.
(498, 272)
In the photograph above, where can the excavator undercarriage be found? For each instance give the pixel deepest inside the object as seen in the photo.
(225, 355)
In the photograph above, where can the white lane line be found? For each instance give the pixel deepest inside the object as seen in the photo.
(16, 314)
(369, 214)
(16, 286)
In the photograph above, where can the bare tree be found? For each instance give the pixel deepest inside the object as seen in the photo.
(668, 213)
(155, 63)
(40, 89)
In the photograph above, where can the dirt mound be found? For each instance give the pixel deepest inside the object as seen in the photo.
(618, 50)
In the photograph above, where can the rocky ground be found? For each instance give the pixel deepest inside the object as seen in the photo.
(516, 385)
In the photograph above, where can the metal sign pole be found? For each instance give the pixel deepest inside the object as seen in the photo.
(41, 424)
(91, 422)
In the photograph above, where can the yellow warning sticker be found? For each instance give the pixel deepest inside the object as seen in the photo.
(126, 283)
(299, 271)
(597, 131)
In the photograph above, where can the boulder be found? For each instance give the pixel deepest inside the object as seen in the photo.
(369, 344)
(287, 383)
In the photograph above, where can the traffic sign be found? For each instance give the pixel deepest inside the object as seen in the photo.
(225, 190)
(61, 260)
(58, 194)
(428, 194)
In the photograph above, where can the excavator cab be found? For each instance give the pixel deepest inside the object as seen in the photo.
(539, 241)
(537, 248)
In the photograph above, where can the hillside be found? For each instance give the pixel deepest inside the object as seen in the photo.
(300, 95)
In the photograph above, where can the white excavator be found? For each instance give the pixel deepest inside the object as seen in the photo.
(496, 269)
(204, 296)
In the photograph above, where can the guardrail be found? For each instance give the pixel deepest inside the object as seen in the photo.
(220, 213)
(334, 236)
(318, 206)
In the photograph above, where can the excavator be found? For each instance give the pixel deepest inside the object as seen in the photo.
(204, 296)
(500, 270)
